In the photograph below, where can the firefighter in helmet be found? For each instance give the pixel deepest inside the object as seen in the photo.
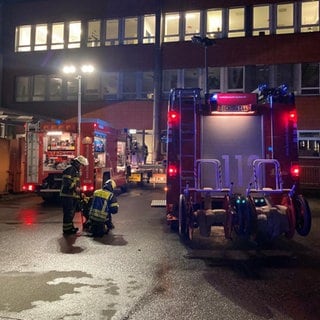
(70, 192)
(104, 204)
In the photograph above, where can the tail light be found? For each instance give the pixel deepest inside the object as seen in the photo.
(293, 116)
(172, 170)
(295, 171)
(173, 117)
(29, 187)
(87, 188)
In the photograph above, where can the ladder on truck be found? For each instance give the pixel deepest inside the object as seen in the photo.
(32, 152)
(187, 103)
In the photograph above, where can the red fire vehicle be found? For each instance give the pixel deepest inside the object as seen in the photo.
(51, 146)
(232, 161)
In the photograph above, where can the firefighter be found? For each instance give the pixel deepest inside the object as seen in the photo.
(104, 205)
(70, 192)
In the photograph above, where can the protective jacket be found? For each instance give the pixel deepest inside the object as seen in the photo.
(70, 182)
(104, 203)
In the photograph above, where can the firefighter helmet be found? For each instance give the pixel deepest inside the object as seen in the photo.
(82, 160)
(110, 184)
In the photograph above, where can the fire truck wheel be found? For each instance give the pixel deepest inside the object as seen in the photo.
(303, 215)
(287, 201)
(184, 219)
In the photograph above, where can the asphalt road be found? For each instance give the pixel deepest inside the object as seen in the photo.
(141, 270)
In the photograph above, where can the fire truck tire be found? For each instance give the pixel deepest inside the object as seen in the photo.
(288, 201)
(184, 219)
(303, 215)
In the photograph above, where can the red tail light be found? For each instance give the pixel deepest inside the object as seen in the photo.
(29, 187)
(295, 171)
(293, 116)
(87, 188)
(172, 170)
(173, 117)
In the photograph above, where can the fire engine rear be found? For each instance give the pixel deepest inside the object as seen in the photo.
(233, 162)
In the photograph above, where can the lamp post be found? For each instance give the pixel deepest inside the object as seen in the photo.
(205, 42)
(70, 69)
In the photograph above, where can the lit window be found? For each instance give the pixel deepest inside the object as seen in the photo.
(23, 38)
(55, 88)
(74, 34)
(130, 31)
(57, 38)
(309, 16)
(171, 27)
(309, 143)
(236, 22)
(261, 20)
(192, 24)
(285, 18)
(310, 78)
(94, 33)
(214, 23)
(41, 33)
(22, 89)
(112, 32)
(149, 28)
(110, 85)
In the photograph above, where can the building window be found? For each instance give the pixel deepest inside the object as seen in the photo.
(235, 79)
(147, 85)
(129, 89)
(236, 22)
(149, 29)
(130, 31)
(94, 33)
(285, 75)
(191, 78)
(261, 20)
(41, 34)
(39, 88)
(112, 32)
(309, 143)
(91, 86)
(23, 38)
(214, 23)
(171, 27)
(214, 79)
(192, 24)
(57, 36)
(309, 16)
(72, 89)
(74, 34)
(55, 88)
(310, 79)
(110, 85)
(285, 18)
(169, 80)
(22, 89)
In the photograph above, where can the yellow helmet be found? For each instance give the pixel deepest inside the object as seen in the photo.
(82, 160)
(110, 184)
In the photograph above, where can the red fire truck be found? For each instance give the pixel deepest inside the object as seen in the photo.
(50, 147)
(232, 161)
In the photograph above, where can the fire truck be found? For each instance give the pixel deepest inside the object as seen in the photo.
(50, 147)
(232, 162)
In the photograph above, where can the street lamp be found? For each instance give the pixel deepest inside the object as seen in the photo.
(206, 42)
(70, 69)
